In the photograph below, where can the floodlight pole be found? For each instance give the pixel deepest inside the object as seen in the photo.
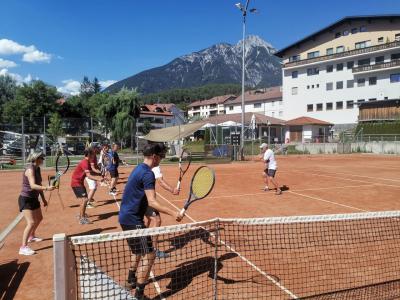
(244, 14)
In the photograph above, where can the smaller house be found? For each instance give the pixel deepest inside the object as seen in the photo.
(209, 107)
(307, 129)
(155, 116)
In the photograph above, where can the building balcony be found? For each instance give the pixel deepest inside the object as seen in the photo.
(344, 54)
(394, 64)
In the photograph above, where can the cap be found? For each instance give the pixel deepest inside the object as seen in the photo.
(263, 145)
(35, 155)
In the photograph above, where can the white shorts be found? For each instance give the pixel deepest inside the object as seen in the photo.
(92, 184)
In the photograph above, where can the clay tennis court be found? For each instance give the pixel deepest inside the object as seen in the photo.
(315, 185)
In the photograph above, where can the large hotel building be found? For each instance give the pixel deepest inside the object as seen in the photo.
(328, 73)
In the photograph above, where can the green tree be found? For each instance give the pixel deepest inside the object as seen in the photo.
(8, 87)
(146, 126)
(96, 86)
(32, 101)
(87, 89)
(55, 128)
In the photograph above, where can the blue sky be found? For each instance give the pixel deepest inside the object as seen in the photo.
(116, 39)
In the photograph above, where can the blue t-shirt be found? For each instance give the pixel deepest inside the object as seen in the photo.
(134, 201)
(112, 156)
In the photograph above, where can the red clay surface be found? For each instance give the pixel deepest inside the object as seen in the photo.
(317, 185)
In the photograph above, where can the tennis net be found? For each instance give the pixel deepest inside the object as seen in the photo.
(346, 256)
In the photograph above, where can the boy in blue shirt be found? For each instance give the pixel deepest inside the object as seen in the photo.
(140, 193)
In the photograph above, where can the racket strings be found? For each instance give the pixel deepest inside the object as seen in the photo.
(203, 182)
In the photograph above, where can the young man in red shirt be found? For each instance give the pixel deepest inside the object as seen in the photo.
(82, 171)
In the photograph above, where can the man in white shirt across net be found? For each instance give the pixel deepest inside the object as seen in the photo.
(269, 173)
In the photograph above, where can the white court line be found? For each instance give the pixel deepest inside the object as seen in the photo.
(327, 201)
(11, 226)
(273, 280)
(156, 285)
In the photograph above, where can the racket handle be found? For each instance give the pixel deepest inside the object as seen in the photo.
(178, 186)
(182, 212)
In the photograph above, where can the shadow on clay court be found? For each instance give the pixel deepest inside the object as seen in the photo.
(284, 188)
(105, 216)
(12, 274)
(106, 202)
(184, 274)
(75, 205)
(45, 248)
(180, 241)
(93, 231)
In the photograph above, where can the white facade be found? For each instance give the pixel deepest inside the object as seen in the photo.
(206, 110)
(269, 108)
(315, 89)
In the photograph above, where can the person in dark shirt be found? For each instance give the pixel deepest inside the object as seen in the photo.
(113, 168)
(140, 193)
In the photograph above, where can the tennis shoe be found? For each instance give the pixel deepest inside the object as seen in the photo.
(25, 250)
(113, 193)
(33, 239)
(266, 189)
(84, 221)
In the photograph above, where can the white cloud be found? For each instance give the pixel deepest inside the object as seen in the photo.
(30, 53)
(7, 63)
(36, 56)
(106, 83)
(70, 86)
(18, 78)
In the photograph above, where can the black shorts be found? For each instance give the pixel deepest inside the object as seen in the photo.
(139, 245)
(270, 172)
(79, 191)
(114, 173)
(28, 203)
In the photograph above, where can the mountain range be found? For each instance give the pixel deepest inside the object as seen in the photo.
(220, 63)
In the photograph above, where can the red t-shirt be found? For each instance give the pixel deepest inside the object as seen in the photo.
(79, 173)
(93, 161)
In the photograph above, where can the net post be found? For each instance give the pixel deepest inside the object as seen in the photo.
(64, 269)
(216, 259)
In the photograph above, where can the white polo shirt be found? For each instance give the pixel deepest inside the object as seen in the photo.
(157, 172)
(270, 156)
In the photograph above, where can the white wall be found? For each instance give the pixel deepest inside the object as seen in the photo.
(296, 105)
(268, 108)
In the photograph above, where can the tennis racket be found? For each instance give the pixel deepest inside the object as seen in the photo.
(62, 166)
(202, 184)
(184, 164)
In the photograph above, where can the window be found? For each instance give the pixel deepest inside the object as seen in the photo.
(294, 58)
(360, 82)
(308, 87)
(317, 85)
(360, 101)
(394, 78)
(313, 54)
(294, 90)
(310, 107)
(319, 106)
(329, 86)
(364, 62)
(257, 105)
(312, 86)
(338, 35)
(345, 32)
(329, 68)
(363, 29)
(397, 37)
(295, 74)
(230, 107)
(339, 85)
(280, 113)
(273, 114)
(312, 71)
(339, 67)
(339, 49)
(350, 65)
(354, 30)
(339, 105)
(361, 45)
(379, 59)
(273, 103)
(395, 56)
(350, 84)
(372, 80)
(329, 51)
(380, 39)
(349, 104)
(329, 106)
(372, 99)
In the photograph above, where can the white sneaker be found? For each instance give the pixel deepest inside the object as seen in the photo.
(34, 239)
(26, 251)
